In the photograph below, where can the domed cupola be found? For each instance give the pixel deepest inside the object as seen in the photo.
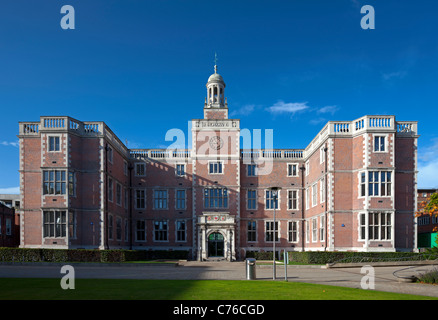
(215, 90)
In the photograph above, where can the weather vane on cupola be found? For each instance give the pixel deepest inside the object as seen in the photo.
(215, 62)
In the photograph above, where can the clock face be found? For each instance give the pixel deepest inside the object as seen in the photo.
(216, 142)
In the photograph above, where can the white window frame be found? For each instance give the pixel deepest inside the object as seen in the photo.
(289, 172)
(178, 232)
(290, 199)
(314, 194)
(137, 173)
(253, 231)
(136, 198)
(307, 164)
(140, 230)
(270, 199)
(54, 136)
(321, 228)
(119, 195)
(372, 224)
(180, 200)
(385, 142)
(277, 231)
(217, 162)
(161, 200)
(251, 172)
(292, 232)
(248, 199)
(178, 169)
(166, 231)
(322, 154)
(314, 229)
(322, 190)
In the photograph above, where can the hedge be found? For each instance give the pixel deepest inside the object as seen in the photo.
(325, 257)
(85, 255)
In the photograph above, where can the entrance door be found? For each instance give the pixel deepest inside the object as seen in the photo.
(216, 245)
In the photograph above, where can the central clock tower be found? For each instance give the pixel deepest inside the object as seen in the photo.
(216, 176)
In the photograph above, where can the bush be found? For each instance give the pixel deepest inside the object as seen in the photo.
(324, 257)
(86, 255)
(429, 277)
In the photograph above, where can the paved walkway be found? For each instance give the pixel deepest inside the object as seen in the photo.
(385, 280)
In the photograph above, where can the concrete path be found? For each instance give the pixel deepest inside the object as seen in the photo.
(385, 279)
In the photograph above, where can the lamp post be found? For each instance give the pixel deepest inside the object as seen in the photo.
(274, 194)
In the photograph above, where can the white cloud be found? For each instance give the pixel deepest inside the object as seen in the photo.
(11, 190)
(428, 165)
(244, 111)
(328, 109)
(6, 143)
(394, 75)
(291, 107)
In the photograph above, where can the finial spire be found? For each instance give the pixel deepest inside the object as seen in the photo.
(215, 62)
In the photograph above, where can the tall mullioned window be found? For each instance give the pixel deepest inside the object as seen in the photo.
(252, 199)
(54, 224)
(252, 231)
(215, 198)
(54, 144)
(54, 182)
(272, 199)
(160, 230)
(160, 199)
(270, 231)
(379, 183)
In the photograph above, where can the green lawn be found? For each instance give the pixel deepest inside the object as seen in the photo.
(103, 289)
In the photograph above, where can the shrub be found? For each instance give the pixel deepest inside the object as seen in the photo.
(430, 277)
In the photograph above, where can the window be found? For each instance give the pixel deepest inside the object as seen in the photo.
(379, 226)
(252, 231)
(215, 198)
(119, 194)
(362, 184)
(54, 143)
(251, 170)
(293, 231)
(307, 231)
(160, 199)
(54, 224)
(314, 230)
(54, 182)
(125, 167)
(423, 221)
(110, 189)
(126, 230)
(307, 168)
(110, 154)
(251, 199)
(385, 183)
(292, 199)
(71, 184)
(322, 190)
(271, 201)
(292, 170)
(181, 199)
(72, 224)
(141, 230)
(307, 198)
(160, 230)
(322, 154)
(321, 228)
(140, 199)
(379, 183)
(110, 226)
(8, 227)
(180, 230)
(140, 169)
(215, 167)
(270, 231)
(362, 226)
(126, 198)
(379, 144)
(314, 194)
(119, 228)
(180, 170)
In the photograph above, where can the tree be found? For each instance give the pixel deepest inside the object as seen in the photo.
(430, 208)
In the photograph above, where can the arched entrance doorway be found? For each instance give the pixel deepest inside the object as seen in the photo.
(215, 245)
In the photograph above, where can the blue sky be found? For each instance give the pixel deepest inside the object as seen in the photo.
(142, 66)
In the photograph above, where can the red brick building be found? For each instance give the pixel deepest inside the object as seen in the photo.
(352, 188)
(8, 227)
